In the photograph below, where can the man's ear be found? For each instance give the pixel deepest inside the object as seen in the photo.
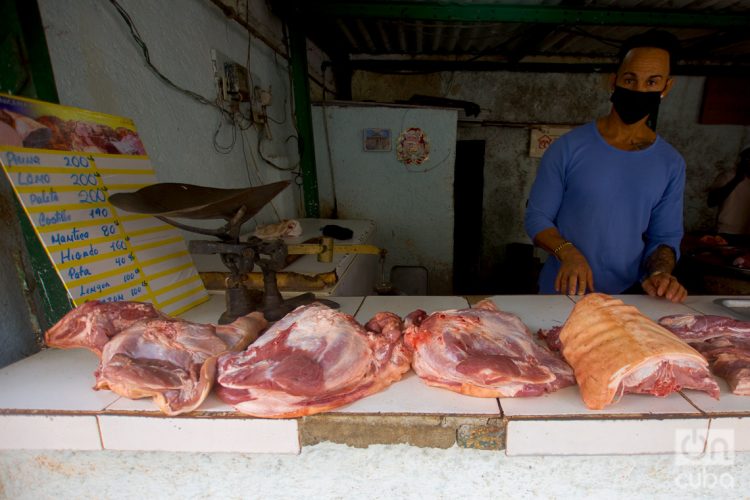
(612, 81)
(667, 87)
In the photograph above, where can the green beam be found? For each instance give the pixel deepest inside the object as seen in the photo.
(28, 23)
(36, 46)
(523, 14)
(303, 112)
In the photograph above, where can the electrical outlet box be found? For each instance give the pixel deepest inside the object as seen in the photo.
(235, 82)
(231, 79)
(261, 99)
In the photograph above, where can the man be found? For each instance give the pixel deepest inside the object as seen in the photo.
(731, 192)
(607, 199)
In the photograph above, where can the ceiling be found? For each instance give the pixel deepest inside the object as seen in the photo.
(409, 36)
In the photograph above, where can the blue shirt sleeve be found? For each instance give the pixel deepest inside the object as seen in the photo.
(665, 226)
(547, 191)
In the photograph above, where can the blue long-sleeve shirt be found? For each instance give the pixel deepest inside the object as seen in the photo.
(615, 206)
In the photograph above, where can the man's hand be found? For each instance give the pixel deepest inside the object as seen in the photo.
(575, 274)
(664, 285)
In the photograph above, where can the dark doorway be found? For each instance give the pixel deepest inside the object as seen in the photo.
(468, 188)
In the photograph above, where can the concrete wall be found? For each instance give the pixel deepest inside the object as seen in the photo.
(329, 471)
(98, 66)
(412, 206)
(519, 99)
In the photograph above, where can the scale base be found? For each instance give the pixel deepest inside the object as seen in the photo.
(242, 301)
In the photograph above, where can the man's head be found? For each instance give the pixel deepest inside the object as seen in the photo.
(643, 75)
(645, 62)
(656, 39)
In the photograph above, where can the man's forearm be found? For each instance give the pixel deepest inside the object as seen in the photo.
(662, 260)
(549, 239)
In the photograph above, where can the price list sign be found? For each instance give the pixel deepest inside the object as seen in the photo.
(64, 187)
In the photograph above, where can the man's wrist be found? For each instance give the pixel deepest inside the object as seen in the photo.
(561, 247)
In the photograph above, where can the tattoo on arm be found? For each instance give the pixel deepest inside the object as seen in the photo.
(662, 260)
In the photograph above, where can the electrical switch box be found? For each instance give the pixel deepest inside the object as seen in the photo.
(235, 82)
(231, 79)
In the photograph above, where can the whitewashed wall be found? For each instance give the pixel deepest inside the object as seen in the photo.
(98, 66)
(412, 206)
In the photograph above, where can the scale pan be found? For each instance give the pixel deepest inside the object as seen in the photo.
(197, 202)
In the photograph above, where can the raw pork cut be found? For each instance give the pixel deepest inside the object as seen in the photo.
(551, 337)
(725, 342)
(614, 349)
(482, 352)
(312, 360)
(152, 355)
(92, 324)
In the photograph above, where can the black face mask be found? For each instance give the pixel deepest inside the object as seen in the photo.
(633, 106)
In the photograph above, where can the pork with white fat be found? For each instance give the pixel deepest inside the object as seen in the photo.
(615, 350)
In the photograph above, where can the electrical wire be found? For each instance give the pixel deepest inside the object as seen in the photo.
(269, 162)
(218, 104)
(144, 48)
(283, 120)
(220, 148)
(257, 172)
(433, 167)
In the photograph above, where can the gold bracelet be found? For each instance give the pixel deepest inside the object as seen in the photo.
(561, 246)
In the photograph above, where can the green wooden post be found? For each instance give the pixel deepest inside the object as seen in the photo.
(301, 84)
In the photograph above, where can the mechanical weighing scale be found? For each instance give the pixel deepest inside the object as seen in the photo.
(167, 201)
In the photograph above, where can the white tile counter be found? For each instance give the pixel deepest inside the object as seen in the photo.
(560, 424)
(46, 401)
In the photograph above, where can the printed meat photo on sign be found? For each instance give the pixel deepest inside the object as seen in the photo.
(482, 352)
(616, 350)
(313, 360)
(145, 353)
(725, 342)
